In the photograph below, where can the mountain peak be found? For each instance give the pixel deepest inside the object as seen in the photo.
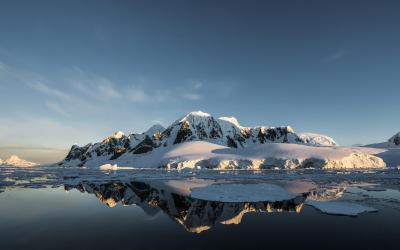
(394, 141)
(194, 114)
(154, 129)
(116, 135)
(199, 113)
(14, 160)
(230, 119)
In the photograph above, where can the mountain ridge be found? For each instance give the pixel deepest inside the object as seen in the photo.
(194, 126)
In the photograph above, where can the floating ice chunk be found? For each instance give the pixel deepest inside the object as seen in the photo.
(242, 193)
(340, 207)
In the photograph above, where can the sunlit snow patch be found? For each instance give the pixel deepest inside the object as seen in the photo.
(107, 167)
(242, 193)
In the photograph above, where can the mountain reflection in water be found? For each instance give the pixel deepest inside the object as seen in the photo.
(195, 215)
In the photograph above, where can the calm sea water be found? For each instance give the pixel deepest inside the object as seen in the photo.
(116, 214)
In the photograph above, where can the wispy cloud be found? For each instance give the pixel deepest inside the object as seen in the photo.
(51, 91)
(28, 131)
(137, 94)
(92, 85)
(162, 95)
(197, 84)
(336, 56)
(32, 148)
(106, 88)
(194, 91)
(157, 121)
(2, 65)
(192, 96)
(57, 108)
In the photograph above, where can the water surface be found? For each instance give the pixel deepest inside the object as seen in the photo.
(64, 209)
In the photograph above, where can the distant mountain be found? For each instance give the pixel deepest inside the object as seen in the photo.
(17, 162)
(393, 142)
(391, 150)
(317, 139)
(195, 126)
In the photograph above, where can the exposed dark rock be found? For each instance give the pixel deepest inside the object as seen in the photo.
(80, 153)
(396, 141)
(231, 142)
(145, 146)
(184, 133)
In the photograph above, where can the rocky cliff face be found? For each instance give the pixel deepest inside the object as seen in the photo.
(113, 147)
(224, 131)
(194, 126)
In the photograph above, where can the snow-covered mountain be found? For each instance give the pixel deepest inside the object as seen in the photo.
(224, 131)
(195, 126)
(391, 150)
(394, 141)
(111, 147)
(15, 161)
(317, 139)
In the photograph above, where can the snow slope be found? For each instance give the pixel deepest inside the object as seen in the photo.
(392, 142)
(200, 154)
(317, 139)
(391, 154)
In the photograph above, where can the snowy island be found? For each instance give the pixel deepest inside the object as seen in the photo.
(198, 140)
(15, 161)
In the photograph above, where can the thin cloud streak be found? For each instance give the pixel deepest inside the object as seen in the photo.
(33, 148)
(336, 56)
(192, 96)
(92, 85)
(45, 89)
(106, 89)
(197, 85)
(137, 94)
(57, 108)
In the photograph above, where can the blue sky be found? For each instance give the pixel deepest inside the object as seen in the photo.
(76, 71)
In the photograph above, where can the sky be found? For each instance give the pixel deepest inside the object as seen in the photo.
(77, 71)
